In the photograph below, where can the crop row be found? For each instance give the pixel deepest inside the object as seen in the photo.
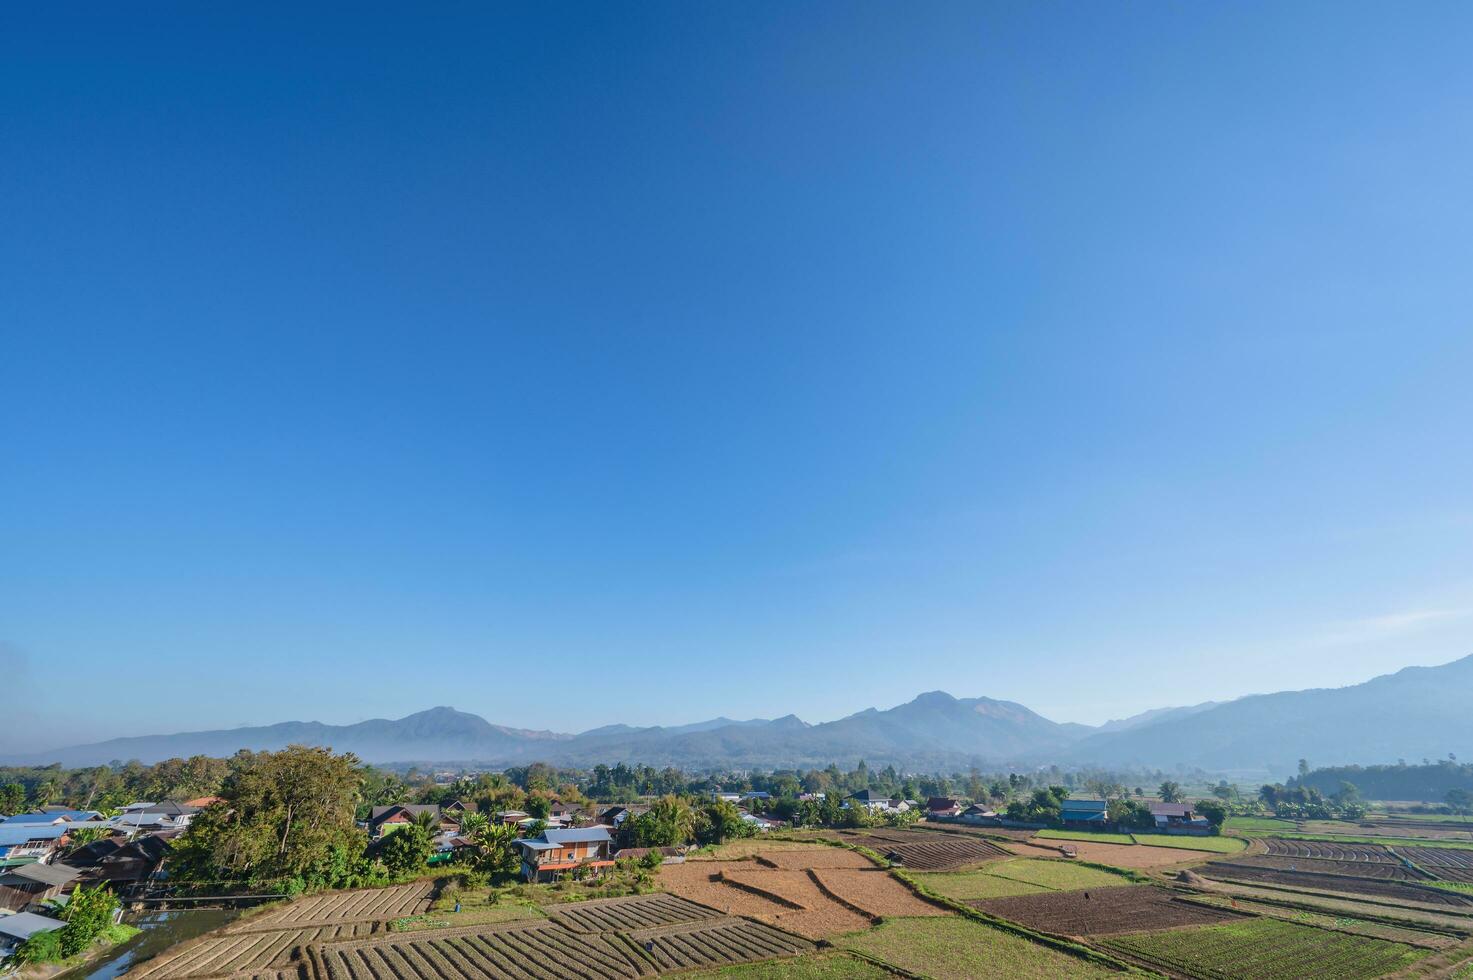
(640, 912)
(1266, 948)
(717, 943)
(533, 951)
(1324, 850)
(1358, 869)
(247, 952)
(373, 903)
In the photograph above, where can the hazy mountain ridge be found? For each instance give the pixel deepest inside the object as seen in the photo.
(1416, 712)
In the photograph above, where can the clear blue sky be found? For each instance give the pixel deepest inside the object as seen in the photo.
(646, 362)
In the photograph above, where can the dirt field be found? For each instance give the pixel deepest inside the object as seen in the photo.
(716, 943)
(1131, 856)
(634, 912)
(536, 949)
(874, 892)
(1102, 911)
(1326, 851)
(706, 882)
(817, 857)
(1449, 864)
(1395, 891)
(368, 904)
(1387, 871)
(929, 851)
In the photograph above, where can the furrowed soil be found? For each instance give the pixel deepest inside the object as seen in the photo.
(1103, 911)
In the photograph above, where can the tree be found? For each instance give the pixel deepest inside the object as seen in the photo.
(720, 820)
(284, 814)
(1215, 813)
(493, 849)
(1460, 801)
(12, 799)
(405, 851)
(87, 913)
(472, 823)
(1170, 792)
(668, 822)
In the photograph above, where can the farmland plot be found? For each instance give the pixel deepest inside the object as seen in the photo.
(706, 883)
(931, 852)
(635, 912)
(1328, 851)
(360, 904)
(1103, 911)
(1336, 920)
(1386, 871)
(245, 952)
(717, 942)
(1378, 889)
(531, 950)
(1449, 864)
(817, 857)
(872, 891)
(1253, 949)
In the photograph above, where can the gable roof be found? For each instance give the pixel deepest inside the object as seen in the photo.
(10, 836)
(941, 803)
(381, 813)
(44, 874)
(1171, 810)
(1083, 806)
(870, 796)
(51, 816)
(24, 925)
(576, 835)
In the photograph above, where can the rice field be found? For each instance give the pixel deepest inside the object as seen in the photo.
(1019, 876)
(955, 947)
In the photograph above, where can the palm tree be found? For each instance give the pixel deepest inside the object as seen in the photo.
(427, 820)
(473, 822)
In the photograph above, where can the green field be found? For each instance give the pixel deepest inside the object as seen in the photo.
(1218, 845)
(1104, 837)
(942, 946)
(1332, 920)
(1017, 876)
(1259, 825)
(1260, 949)
(823, 966)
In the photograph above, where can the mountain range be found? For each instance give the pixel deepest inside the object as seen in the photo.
(1417, 712)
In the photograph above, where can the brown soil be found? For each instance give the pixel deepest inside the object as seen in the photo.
(1102, 911)
(817, 857)
(1135, 856)
(703, 882)
(875, 892)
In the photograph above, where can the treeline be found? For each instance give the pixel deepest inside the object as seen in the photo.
(1429, 782)
(108, 787)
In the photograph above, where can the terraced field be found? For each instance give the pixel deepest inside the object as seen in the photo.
(346, 906)
(636, 912)
(818, 857)
(1338, 921)
(1340, 883)
(530, 950)
(228, 953)
(717, 942)
(926, 851)
(1103, 911)
(1385, 871)
(873, 891)
(1253, 949)
(1326, 851)
(1450, 864)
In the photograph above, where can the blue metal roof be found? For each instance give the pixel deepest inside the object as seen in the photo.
(577, 835)
(1084, 806)
(19, 834)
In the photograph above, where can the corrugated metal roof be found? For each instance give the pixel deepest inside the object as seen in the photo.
(24, 925)
(577, 835)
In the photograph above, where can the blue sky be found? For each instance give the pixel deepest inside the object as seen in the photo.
(647, 362)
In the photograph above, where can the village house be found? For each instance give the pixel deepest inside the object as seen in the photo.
(1084, 814)
(554, 853)
(977, 813)
(120, 863)
(16, 929)
(23, 843)
(1179, 818)
(28, 886)
(512, 818)
(386, 819)
(943, 806)
(873, 800)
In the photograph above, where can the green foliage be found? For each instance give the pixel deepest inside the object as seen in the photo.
(1170, 792)
(405, 851)
(12, 798)
(287, 815)
(493, 851)
(43, 947)
(718, 821)
(87, 914)
(1215, 813)
(670, 821)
